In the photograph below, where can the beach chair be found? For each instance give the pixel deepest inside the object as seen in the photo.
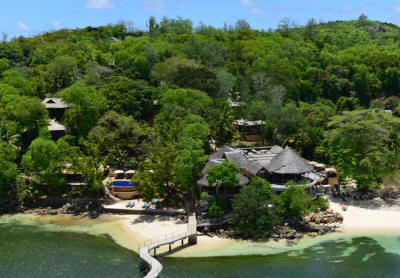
(128, 205)
(144, 205)
(132, 204)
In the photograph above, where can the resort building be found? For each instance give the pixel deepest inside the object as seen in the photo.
(249, 130)
(57, 130)
(275, 164)
(56, 108)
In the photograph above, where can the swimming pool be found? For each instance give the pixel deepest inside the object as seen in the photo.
(126, 183)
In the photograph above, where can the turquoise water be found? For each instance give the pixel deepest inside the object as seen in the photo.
(28, 251)
(359, 257)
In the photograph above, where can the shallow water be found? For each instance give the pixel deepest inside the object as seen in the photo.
(358, 257)
(29, 251)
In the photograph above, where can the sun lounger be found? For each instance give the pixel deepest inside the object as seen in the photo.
(144, 205)
(132, 204)
(128, 205)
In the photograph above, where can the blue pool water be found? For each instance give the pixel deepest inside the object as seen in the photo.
(123, 183)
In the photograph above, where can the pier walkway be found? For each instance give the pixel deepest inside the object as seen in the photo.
(148, 246)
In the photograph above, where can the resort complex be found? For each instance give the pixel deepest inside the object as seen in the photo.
(274, 164)
(166, 147)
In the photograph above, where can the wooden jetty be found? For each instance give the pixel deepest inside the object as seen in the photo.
(154, 265)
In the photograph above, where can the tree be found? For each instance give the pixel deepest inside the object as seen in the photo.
(9, 172)
(187, 167)
(19, 82)
(121, 140)
(363, 17)
(363, 144)
(155, 175)
(129, 97)
(61, 73)
(87, 106)
(223, 174)
(43, 162)
(4, 65)
(185, 73)
(252, 217)
(29, 113)
(294, 201)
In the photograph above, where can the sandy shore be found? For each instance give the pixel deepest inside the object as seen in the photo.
(369, 216)
(362, 218)
(132, 230)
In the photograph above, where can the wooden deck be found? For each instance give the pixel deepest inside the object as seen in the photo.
(148, 246)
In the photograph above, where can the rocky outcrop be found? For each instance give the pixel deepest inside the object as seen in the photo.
(59, 206)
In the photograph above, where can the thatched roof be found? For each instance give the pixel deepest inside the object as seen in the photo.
(220, 153)
(276, 149)
(288, 162)
(242, 180)
(244, 163)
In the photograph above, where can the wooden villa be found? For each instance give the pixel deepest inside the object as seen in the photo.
(56, 108)
(249, 130)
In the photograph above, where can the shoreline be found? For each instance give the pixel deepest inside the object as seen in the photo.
(130, 231)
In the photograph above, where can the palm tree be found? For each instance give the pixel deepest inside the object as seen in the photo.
(7, 136)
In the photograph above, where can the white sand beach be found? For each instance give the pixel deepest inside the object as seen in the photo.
(363, 218)
(369, 216)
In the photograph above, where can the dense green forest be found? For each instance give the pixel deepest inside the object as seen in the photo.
(156, 99)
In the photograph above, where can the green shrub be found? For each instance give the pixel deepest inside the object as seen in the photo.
(319, 204)
(293, 202)
(215, 211)
(204, 196)
(251, 214)
(219, 201)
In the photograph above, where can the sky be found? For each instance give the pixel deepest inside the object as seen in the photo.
(31, 17)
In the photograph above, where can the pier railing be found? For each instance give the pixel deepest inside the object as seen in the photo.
(152, 244)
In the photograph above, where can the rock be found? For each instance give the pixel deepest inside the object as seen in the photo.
(299, 235)
(312, 234)
(290, 242)
(275, 235)
(320, 229)
(325, 220)
(52, 212)
(291, 235)
(338, 217)
(344, 208)
(329, 211)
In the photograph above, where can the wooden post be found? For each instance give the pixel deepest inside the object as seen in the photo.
(170, 247)
(182, 242)
(193, 239)
(155, 253)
